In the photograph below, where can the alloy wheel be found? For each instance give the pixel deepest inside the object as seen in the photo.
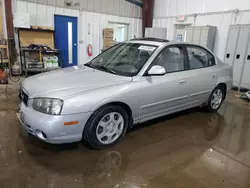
(110, 128)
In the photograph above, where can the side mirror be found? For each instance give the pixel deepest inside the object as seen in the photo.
(156, 70)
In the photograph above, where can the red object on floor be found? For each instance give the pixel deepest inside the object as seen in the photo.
(2, 74)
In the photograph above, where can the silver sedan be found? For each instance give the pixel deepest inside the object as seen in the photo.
(130, 83)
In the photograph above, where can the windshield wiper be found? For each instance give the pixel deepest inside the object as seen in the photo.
(88, 65)
(103, 68)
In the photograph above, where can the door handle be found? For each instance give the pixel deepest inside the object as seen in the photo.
(183, 81)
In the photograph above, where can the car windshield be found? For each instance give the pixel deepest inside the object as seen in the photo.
(125, 59)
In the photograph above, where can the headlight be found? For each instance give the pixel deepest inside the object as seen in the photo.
(47, 105)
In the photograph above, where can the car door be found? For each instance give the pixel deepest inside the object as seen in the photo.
(201, 77)
(164, 94)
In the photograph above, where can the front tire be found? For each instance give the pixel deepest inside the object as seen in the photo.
(106, 126)
(215, 99)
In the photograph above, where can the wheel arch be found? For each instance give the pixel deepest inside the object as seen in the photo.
(121, 104)
(224, 87)
(86, 135)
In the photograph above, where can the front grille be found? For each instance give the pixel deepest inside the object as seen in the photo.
(24, 98)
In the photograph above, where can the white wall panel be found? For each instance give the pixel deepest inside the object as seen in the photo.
(104, 6)
(192, 6)
(41, 10)
(32, 9)
(59, 11)
(245, 19)
(116, 7)
(163, 8)
(140, 13)
(160, 8)
(21, 6)
(166, 10)
(43, 15)
(126, 8)
(50, 16)
(112, 7)
(133, 28)
(60, 3)
(91, 5)
(139, 28)
(221, 21)
(83, 35)
(51, 2)
(132, 9)
(223, 5)
(84, 5)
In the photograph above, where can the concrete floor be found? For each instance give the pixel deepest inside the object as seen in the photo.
(187, 149)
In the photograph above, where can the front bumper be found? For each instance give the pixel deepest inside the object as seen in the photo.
(51, 128)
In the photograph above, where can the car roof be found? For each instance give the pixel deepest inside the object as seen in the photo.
(151, 39)
(161, 42)
(154, 41)
(146, 42)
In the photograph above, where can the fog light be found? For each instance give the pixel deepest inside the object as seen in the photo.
(40, 134)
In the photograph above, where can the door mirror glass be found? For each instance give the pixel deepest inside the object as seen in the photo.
(157, 70)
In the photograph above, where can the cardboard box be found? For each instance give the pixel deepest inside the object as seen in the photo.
(107, 36)
(108, 33)
(108, 44)
(108, 30)
(108, 40)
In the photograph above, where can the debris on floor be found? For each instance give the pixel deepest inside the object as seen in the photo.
(245, 96)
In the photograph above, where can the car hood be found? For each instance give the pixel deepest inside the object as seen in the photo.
(69, 81)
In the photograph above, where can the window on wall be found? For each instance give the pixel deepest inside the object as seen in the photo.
(120, 31)
(172, 59)
(199, 58)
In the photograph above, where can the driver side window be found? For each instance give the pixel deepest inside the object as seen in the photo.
(172, 59)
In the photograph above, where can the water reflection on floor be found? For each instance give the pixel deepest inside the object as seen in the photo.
(188, 149)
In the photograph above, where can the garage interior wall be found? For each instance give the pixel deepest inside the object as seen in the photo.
(93, 16)
(209, 12)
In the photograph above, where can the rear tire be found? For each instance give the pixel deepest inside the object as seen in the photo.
(106, 126)
(215, 99)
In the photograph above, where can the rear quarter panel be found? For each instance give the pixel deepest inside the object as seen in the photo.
(224, 74)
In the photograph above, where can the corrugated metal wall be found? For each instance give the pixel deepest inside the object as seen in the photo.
(111, 7)
(43, 15)
(163, 8)
(166, 11)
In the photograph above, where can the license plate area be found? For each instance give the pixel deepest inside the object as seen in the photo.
(22, 117)
(27, 127)
(24, 97)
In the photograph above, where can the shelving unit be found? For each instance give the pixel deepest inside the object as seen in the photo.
(5, 53)
(6, 63)
(41, 53)
(38, 36)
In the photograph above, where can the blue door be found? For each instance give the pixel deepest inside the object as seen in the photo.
(66, 39)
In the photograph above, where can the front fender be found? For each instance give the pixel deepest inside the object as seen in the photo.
(132, 102)
(92, 100)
